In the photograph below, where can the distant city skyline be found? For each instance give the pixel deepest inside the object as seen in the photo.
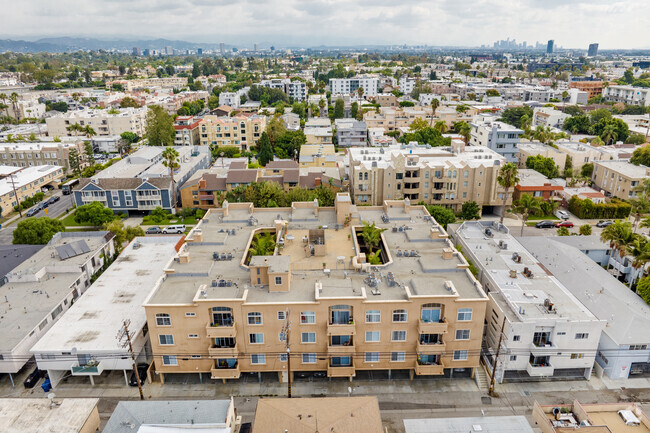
(572, 23)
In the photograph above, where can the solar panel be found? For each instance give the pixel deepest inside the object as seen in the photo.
(72, 249)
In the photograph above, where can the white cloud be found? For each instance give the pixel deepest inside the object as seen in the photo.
(572, 23)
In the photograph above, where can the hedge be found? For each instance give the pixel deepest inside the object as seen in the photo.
(586, 209)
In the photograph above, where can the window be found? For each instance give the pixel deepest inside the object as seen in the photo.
(282, 336)
(638, 347)
(284, 357)
(513, 357)
(372, 356)
(397, 356)
(398, 336)
(516, 338)
(460, 355)
(307, 317)
(582, 336)
(163, 319)
(603, 357)
(577, 355)
(258, 358)
(464, 314)
(256, 338)
(190, 314)
(169, 360)
(399, 315)
(57, 311)
(192, 335)
(255, 318)
(309, 358)
(195, 356)
(431, 313)
(166, 339)
(278, 281)
(372, 336)
(308, 337)
(462, 334)
(281, 314)
(373, 316)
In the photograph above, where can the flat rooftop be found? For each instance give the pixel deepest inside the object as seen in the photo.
(26, 175)
(627, 315)
(494, 255)
(625, 167)
(427, 273)
(92, 323)
(39, 284)
(530, 177)
(34, 415)
(484, 424)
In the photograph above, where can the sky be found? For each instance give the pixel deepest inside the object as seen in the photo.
(571, 23)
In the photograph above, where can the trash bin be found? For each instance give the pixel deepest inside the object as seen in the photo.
(47, 386)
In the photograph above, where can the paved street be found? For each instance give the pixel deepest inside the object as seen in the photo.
(54, 210)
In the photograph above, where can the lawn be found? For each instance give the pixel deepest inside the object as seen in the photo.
(147, 221)
(69, 221)
(541, 218)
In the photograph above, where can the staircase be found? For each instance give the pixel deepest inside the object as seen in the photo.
(482, 378)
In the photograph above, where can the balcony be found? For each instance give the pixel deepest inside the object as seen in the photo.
(341, 328)
(223, 352)
(225, 372)
(206, 197)
(94, 369)
(428, 369)
(432, 327)
(221, 331)
(341, 350)
(431, 348)
(539, 370)
(341, 370)
(542, 350)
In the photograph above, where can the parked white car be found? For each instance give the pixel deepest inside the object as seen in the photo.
(562, 214)
(177, 229)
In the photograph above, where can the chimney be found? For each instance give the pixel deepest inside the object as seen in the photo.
(317, 182)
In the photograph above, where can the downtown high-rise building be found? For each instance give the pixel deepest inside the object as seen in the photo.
(222, 48)
(549, 46)
(593, 50)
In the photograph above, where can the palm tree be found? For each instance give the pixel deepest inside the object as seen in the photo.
(88, 131)
(527, 206)
(609, 134)
(645, 223)
(360, 92)
(507, 178)
(75, 127)
(440, 126)
(640, 203)
(262, 244)
(640, 252)
(371, 235)
(435, 103)
(3, 106)
(170, 160)
(620, 237)
(321, 105)
(14, 102)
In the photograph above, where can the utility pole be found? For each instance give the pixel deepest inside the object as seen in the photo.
(13, 185)
(286, 329)
(496, 358)
(124, 337)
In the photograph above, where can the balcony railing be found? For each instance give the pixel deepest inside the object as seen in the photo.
(221, 331)
(223, 352)
(537, 370)
(341, 370)
(432, 327)
(428, 369)
(431, 348)
(225, 372)
(341, 350)
(341, 328)
(87, 370)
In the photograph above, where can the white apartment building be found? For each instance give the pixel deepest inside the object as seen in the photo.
(497, 136)
(637, 123)
(406, 84)
(547, 332)
(231, 99)
(548, 116)
(102, 121)
(29, 154)
(346, 86)
(294, 89)
(627, 94)
(37, 292)
(26, 108)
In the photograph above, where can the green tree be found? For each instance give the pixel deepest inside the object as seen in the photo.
(563, 231)
(90, 153)
(611, 130)
(619, 236)
(262, 244)
(526, 206)
(492, 93)
(585, 229)
(266, 150)
(470, 210)
(442, 215)
(512, 116)
(543, 165)
(371, 235)
(601, 113)
(507, 178)
(643, 289)
(463, 129)
(339, 109)
(579, 124)
(354, 110)
(36, 231)
(127, 101)
(636, 139)
(74, 161)
(587, 169)
(160, 127)
(170, 160)
(93, 214)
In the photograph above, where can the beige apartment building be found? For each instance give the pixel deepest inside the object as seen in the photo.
(391, 119)
(166, 82)
(315, 300)
(104, 122)
(17, 184)
(318, 155)
(239, 131)
(41, 153)
(446, 176)
(617, 178)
